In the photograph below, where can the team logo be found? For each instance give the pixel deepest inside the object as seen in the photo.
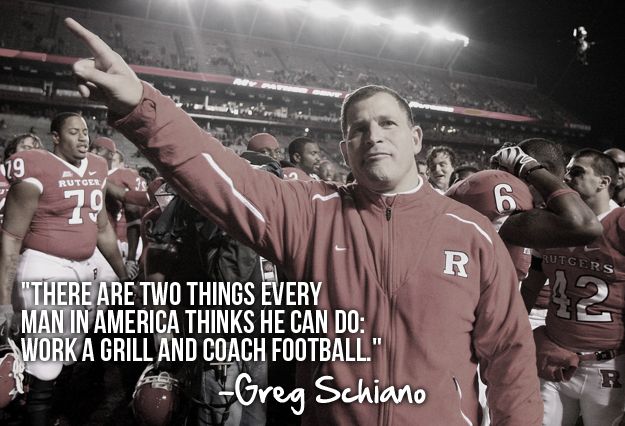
(455, 262)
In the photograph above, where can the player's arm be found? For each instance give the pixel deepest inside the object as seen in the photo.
(566, 220)
(115, 191)
(137, 198)
(133, 229)
(253, 206)
(107, 244)
(126, 196)
(531, 286)
(21, 204)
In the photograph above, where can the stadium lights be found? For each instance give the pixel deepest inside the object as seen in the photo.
(360, 15)
(403, 24)
(327, 9)
(286, 4)
(363, 16)
(439, 32)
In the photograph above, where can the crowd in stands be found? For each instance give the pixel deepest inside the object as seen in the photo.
(252, 58)
(236, 135)
(392, 245)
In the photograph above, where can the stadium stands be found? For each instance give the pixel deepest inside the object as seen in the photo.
(168, 45)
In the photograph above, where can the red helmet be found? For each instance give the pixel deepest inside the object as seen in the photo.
(155, 398)
(11, 373)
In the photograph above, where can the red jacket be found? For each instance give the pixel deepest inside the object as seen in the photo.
(382, 255)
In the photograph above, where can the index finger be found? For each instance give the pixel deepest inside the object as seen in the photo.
(96, 45)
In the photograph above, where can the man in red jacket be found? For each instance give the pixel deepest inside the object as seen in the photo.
(430, 277)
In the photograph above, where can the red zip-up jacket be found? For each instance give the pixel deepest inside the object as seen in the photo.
(429, 275)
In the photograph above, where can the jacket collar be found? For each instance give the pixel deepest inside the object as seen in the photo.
(419, 194)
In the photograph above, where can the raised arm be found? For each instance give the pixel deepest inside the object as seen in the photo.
(566, 220)
(105, 77)
(253, 206)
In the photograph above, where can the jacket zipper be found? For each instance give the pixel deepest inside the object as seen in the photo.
(386, 408)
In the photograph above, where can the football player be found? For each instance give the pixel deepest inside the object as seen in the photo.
(265, 144)
(618, 155)
(23, 142)
(581, 356)
(507, 201)
(4, 190)
(304, 154)
(507, 197)
(54, 217)
(126, 218)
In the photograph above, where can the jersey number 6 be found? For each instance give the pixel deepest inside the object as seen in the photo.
(501, 198)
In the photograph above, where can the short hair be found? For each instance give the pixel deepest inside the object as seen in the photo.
(297, 146)
(148, 173)
(441, 149)
(366, 92)
(57, 122)
(613, 152)
(11, 146)
(460, 170)
(546, 152)
(602, 164)
(261, 141)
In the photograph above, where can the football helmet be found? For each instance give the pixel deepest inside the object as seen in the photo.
(11, 373)
(156, 397)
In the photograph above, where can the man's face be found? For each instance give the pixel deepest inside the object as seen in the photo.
(275, 153)
(619, 158)
(582, 178)
(326, 171)
(440, 170)
(116, 161)
(309, 159)
(72, 141)
(381, 144)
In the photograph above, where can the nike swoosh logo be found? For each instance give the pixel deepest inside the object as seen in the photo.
(587, 249)
(337, 248)
(325, 197)
(92, 173)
